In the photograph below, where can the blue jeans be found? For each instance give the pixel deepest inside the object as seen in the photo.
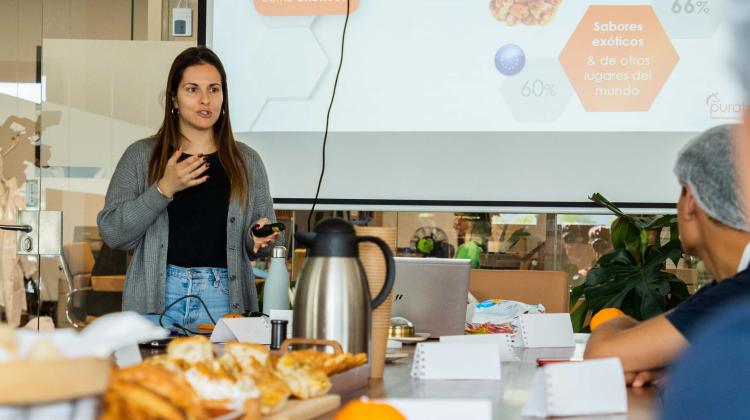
(211, 284)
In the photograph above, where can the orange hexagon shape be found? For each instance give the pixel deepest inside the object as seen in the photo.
(304, 7)
(618, 58)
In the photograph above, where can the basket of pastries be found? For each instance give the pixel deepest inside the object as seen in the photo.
(35, 369)
(247, 381)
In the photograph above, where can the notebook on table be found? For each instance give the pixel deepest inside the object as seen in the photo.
(583, 388)
(543, 330)
(456, 361)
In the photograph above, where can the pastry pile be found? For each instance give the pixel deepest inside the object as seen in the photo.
(527, 12)
(191, 382)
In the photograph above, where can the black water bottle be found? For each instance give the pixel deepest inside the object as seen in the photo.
(278, 332)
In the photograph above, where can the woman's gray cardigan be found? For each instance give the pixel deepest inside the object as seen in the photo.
(135, 217)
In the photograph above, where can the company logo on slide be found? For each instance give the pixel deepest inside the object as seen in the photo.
(304, 7)
(718, 110)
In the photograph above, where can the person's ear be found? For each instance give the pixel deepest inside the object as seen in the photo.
(742, 151)
(690, 206)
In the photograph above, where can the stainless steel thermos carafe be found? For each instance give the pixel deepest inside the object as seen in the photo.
(332, 299)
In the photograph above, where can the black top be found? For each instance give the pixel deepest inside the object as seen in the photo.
(198, 220)
(708, 301)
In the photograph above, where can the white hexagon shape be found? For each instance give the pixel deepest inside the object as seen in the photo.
(272, 71)
(287, 63)
(539, 93)
(689, 18)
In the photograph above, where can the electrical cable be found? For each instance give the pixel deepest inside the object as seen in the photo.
(174, 324)
(328, 117)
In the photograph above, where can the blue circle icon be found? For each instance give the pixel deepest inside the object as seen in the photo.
(510, 59)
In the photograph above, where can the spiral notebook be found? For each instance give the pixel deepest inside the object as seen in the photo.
(543, 330)
(503, 341)
(456, 361)
(583, 388)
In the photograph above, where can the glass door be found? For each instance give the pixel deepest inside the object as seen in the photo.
(79, 83)
(103, 91)
(107, 95)
(20, 159)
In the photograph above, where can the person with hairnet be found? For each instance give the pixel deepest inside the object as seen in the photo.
(709, 379)
(713, 227)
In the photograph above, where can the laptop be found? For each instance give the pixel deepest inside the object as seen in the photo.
(432, 293)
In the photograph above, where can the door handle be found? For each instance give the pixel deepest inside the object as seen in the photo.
(17, 228)
(39, 232)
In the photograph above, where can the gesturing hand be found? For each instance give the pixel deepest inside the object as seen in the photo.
(260, 243)
(179, 176)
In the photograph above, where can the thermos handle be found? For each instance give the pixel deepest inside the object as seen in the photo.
(305, 238)
(390, 268)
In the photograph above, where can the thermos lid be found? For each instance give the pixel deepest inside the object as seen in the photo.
(279, 252)
(332, 237)
(334, 225)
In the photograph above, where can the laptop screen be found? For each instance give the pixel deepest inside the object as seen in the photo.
(432, 294)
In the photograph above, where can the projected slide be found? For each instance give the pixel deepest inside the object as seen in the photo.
(478, 65)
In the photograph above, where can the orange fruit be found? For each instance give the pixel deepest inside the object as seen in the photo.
(365, 410)
(603, 316)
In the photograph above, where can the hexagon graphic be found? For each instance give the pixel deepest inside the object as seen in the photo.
(273, 69)
(688, 18)
(280, 55)
(540, 93)
(618, 58)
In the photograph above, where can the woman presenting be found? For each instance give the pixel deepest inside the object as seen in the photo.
(186, 201)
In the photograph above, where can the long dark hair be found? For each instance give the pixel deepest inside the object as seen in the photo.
(168, 136)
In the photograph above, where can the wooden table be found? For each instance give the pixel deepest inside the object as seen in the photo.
(507, 395)
(114, 283)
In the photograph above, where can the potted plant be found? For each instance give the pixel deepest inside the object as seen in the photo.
(631, 276)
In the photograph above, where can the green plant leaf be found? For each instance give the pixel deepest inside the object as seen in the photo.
(653, 293)
(623, 232)
(672, 250)
(578, 316)
(678, 292)
(630, 303)
(575, 294)
(616, 256)
(602, 201)
(656, 256)
(631, 276)
(662, 222)
(639, 291)
(643, 243)
(606, 286)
